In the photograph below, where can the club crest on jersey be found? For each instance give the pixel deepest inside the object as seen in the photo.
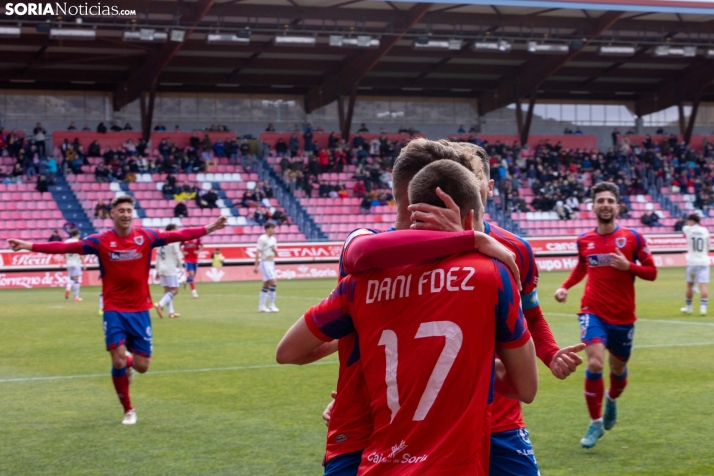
(523, 435)
(621, 241)
(139, 240)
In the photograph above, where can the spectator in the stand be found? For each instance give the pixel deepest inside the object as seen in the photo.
(72, 127)
(573, 203)
(307, 138)
(177, 128)
(679, 224)
(359, 190)
(51, 169)
(101, 210)
(211, 198)
(208, 158)
(244, 150)
(55, 236)
(94, 149)
(250, 199)
(169, 189)
(294, 145)
(270, 128)
(366, 205)
(615, 134)
(561, 209)
(624, 211)
(654, 219)
(260, 216)
(358, 141)
(115, 127)
(219, 149)
(279, 217)
(362, 128)
(181, 210)
(323, 160)
(86, 128)
(39, 136)
(101, 174)
(129, 147)
(461, 130)
(127, 127)
(703, 202)
(200, 202)
(333, 141)
(159, 127)
(266, 189)
(41, 184)
(281, 148)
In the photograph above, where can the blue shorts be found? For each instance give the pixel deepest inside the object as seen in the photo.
(512, 454)
(132, 329)
(344, 465)
(616, 338)
(192, 267)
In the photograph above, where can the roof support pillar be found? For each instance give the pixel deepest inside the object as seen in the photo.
(147, 112)
(692, 118)
(524, 127)
(346, 116)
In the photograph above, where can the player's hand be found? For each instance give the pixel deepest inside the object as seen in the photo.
(566, 361)
(430, 217)
(490, 247)
(217, 225)
(327, 414)
(255, 269)
(561, 295)
(19, 245)
(619, 261)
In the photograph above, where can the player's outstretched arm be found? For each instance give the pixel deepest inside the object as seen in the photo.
(54, 248)
(193, 233)
(299, 346)
(576, 275)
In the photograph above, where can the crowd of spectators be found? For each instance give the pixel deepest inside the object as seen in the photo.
(31, 161)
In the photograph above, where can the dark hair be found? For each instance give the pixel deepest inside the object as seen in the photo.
(75, 232)
(454, 179)
(605, 187)
(270, 224)
(123, 199)
(476, 152)
(419, 153)
(170, 227)
(694, 217)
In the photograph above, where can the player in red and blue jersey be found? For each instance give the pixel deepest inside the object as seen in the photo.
(190, 249)
(511, 450)
(437, 427)
(608, 256)
(124, 255)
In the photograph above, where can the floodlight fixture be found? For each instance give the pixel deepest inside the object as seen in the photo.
(10, 31)
(614, 50)
(548, 48)
(225, 39)
(290, 40)
(500, 46)
(72, 34)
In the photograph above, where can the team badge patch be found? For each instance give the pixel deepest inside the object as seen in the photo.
(523, 435)
(621, 241)
(139, 240)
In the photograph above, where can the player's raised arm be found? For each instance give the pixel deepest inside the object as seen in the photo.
(192, 233)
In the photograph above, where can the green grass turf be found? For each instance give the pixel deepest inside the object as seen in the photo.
(266, 420)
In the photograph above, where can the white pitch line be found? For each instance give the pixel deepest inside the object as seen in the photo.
(663, 321)
(158, 372)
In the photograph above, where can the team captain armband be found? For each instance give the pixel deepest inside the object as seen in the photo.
(530, 300)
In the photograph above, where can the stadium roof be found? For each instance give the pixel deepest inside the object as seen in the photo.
(322, 73)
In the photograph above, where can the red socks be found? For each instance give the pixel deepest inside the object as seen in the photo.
(193, 285)
(617, 385)
(594, 391)
(121, 385)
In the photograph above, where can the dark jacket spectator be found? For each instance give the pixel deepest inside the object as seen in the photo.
(101, 210)
(115, 127)
(101, 128)
(41, 184)
(261, 216)
(279, 217)
(211, 198)
(55, 236)
(181, 210)
(281, 148)
(94, 149)
(680, 224)
(365, 205)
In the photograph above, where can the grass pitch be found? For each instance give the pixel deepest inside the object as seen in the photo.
(214, 402)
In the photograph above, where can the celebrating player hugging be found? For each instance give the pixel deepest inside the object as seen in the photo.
(352, 424)
(607, 256)
(124, 259)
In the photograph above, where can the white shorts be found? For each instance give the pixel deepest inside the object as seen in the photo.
(698, 274)
(267, 269)
(169, 281)
(73, 271)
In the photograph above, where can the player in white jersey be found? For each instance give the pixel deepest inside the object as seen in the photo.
(697, 262)
(168, 267)
(74, 268)
(265, 252)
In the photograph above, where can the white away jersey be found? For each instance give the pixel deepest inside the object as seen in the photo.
(697, 245)
(168, 260)
(265, 247)
(72, 260)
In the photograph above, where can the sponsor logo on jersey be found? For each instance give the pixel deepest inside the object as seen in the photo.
(406, 458)
(620, 241)
(396, 449)
(139, 240)
(591, 246)
(113, 244)
(125, 255)
(341, 438)
(599, 260)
